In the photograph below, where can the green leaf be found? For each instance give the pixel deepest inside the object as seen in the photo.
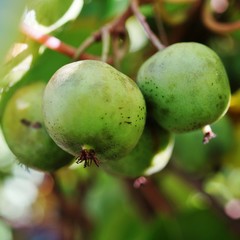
(40, 13)
(42, 68)
(10, 15)
(104, 9)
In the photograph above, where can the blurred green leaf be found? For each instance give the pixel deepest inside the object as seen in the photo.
(5, 231)
(10, 15)
(176, 190)
(192, 155)
(203, 224)
(104, 9)
(105, 199)
(40, 14)
(7, 158)
(40, 70)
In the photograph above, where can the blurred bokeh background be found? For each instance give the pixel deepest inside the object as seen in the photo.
(196, 196)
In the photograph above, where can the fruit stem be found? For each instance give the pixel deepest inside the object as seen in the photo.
(141, 18)
(139, 182)
(208, 134)
(87, 156)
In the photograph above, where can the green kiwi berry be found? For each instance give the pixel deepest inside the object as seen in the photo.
(25, 133)
(93, 111)
(186, 86)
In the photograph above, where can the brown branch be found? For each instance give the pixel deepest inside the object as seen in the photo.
(53, 43)
(155, 197)
(73, 215)
(153, 38)
(116, 27)
(88, 42)
(215, 26)
(120, 47)
(151, 201)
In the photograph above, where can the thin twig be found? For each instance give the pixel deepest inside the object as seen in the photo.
(73, 215)
(215, 26)
(150, 198)
(153, 38)
(119, 48)
(53, 43)
(155, 197)
(87, 43)
(116, 27)
(105, 43)
(159, 22)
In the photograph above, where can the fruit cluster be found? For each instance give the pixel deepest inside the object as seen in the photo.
(91, 112)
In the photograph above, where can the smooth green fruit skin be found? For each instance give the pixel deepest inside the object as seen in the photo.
(31, 145)
(150, 155)
(89, 104)
(186, 86)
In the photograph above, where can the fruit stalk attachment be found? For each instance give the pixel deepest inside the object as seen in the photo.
(139, 182)
(208, 134)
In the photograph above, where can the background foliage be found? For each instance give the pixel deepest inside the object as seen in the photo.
(197, 196)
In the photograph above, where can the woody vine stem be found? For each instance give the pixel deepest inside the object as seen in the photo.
(117, 28)
(114, 28)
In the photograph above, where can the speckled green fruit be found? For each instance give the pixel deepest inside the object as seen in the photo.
(186, 86)
(151, 154)
(90, 106)
(24, 131)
